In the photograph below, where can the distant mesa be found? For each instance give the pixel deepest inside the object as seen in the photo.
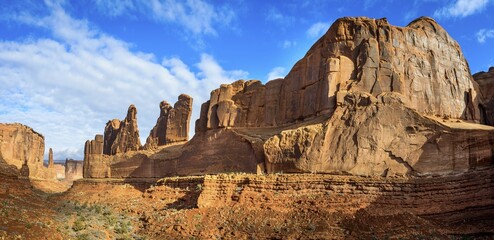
(368, 99)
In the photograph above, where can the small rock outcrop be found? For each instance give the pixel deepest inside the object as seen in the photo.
(73, 169)
(51, 163)
(173, 123)
(122, 136)
(486, 86)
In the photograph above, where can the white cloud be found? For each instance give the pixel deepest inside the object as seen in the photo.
(196, 16)
(277, 72)
(288, 44)
(461, 8)
(483, 34)
(317, 29)
(68, 86)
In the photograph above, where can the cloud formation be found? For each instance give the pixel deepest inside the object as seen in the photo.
(461, 8)
(484, 34)
(69, 84)
(277, 72)
(196, 16)
(317, 29)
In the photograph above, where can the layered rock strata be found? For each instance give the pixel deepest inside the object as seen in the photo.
(173, 123)
(22, 148)
(486, 86)
(122, 136)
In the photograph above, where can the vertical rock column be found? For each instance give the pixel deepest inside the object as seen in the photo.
(122, 136)
(172, 124)
(50, 159)
(93, 156)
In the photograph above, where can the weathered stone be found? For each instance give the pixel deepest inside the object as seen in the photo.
(359, 54)
(486, 86)
(372, 137)
(94, 161)
(172, 124)
(50, 159)
(22, 147)
(112, 129)
(122, 136)
(367, 99)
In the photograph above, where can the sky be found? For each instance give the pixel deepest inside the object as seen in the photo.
(67, 67)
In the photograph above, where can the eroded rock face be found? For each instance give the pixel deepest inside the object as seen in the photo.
(486, 86)
(380, 137)
(173, 123)
(420, 61)
(94, 161)
(367, 99)
(122, 136)
(23, 148)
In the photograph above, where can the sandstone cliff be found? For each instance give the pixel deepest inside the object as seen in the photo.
(486, 86)
(22, 148)
(122, 136)
(420, 61)
(367, 99)
(172, 124)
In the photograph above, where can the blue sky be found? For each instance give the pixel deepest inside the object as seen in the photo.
(67, 67)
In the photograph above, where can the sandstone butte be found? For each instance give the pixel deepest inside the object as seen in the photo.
(368, 99)
(21, 152)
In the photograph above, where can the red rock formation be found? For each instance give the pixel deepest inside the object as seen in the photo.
(363, 100)
(122, 136)
(94, 164)
(22, 147)
(50, 159)
(420, 61)
(173, 123)
(367, 99)
(486, 86)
